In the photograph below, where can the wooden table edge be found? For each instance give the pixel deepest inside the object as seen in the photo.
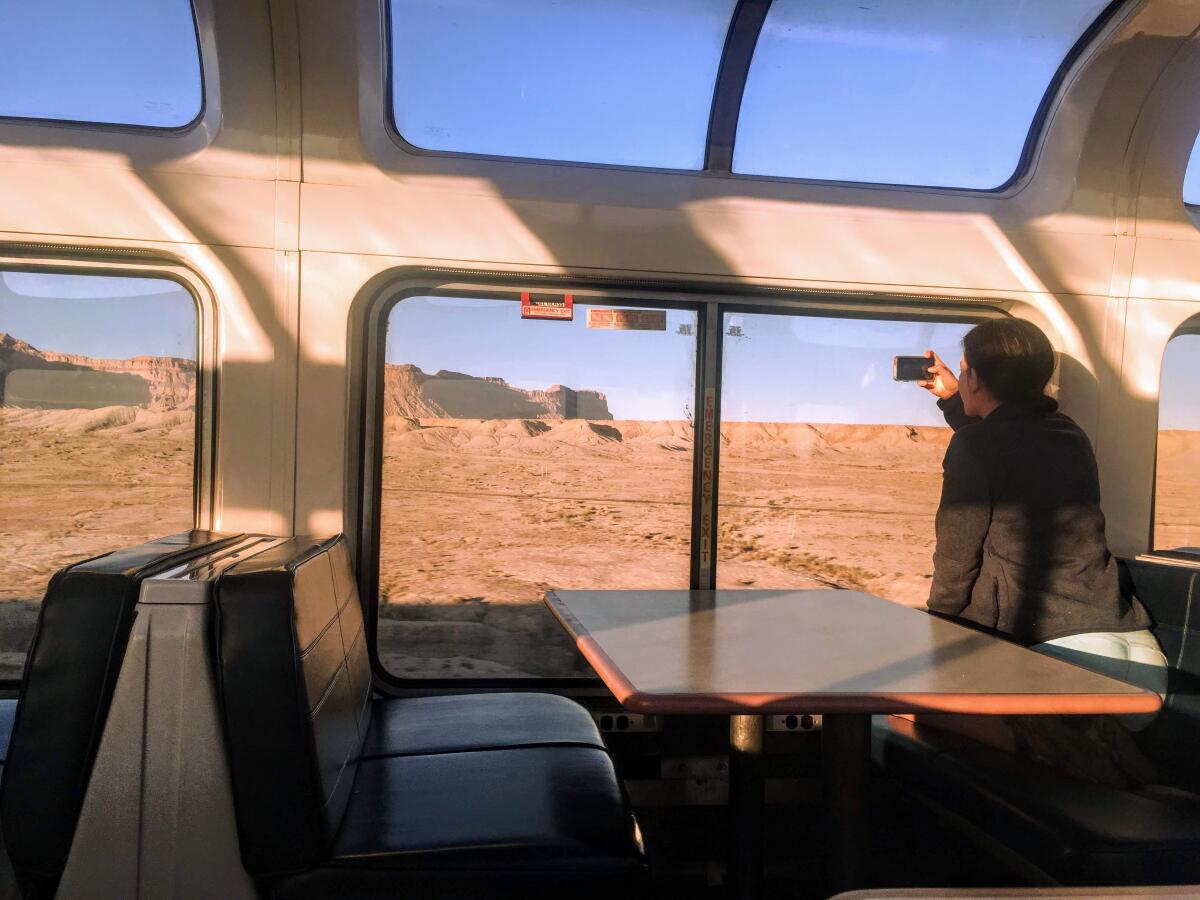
(1133, 702)
(612, 676)
(871, 704)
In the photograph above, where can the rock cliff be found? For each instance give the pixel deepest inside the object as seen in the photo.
(410, 392)
(33, 377)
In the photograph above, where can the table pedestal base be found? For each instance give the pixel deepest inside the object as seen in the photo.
(747, 806)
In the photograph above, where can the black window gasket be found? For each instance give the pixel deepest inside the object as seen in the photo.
(744, 29)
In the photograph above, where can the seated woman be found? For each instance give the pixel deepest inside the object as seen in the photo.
(1021, 550)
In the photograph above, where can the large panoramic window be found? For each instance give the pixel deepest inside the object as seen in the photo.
(917, 92)
(830, 471)
(523, 454)
(1191, 179)
(120, 62)
(1177, 478)
(97, 428)
(624, 82)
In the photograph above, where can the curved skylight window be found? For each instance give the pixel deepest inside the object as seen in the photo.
(1191, 179)
(117, 62)
(621, 82)
(918, 92)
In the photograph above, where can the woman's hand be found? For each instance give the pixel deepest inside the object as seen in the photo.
(943, 383)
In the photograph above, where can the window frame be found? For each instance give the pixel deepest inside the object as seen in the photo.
(725, 107)
(369, 519)
(125, 127)
(1190, 326)
(365, 377)
(48, 260)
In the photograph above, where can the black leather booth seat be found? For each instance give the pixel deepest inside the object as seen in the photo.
(337, 794)
(450, 724)
(1073, 831)
(82, 630)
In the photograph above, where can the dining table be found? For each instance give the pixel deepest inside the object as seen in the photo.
(844, 655)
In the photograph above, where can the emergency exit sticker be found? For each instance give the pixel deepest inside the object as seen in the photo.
(547, 306)
(628, 319)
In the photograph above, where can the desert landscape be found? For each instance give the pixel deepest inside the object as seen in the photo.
(482, 515)
(80, 476)
(492, 494)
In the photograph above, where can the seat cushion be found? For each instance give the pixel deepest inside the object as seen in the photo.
(486, 820)
(454, 723)
(1077, 832)
(1172, 594)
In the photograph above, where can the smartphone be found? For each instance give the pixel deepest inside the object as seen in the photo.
(911, 368)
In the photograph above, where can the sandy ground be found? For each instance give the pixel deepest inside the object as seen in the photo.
(481, 517)
(1177, 490)
(77, 483)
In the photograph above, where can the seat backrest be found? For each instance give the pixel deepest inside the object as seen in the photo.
(1171, 593)
(295, 688)
(71, 669)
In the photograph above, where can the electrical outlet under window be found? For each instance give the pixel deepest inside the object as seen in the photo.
(625, 721)
(804, 722)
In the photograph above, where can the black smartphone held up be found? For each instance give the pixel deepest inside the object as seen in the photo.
(911, 368)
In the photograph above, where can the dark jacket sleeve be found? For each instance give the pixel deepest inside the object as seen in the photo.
(963, 518)
(956, 416)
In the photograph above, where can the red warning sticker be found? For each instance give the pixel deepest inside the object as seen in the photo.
(547, 306)
(628, 319)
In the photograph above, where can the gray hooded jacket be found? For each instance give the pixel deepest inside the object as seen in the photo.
(1020, 535)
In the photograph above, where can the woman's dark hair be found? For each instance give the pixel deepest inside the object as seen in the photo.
(1012, 357)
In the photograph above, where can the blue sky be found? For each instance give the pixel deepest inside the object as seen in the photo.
(780, 368)
(132, 62)
(1179, 402)
(810, 369)
(777, 369)
(1191, 179)
(644, 374)
(100, 316)
(939, 92)
(921, 91)
(619, 81)
(932, 92)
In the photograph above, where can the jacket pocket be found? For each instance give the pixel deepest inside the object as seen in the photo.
(988, 595)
